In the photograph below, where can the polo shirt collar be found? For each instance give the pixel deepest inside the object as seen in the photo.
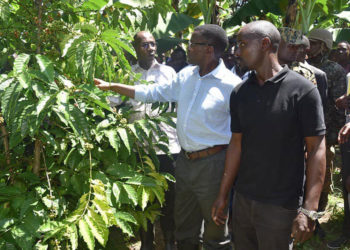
(276, 78)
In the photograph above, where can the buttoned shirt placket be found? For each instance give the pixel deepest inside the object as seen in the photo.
(195, 94)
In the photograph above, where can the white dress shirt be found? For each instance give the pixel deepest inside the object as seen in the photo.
(203, 112)
(160, 74)
(245, 76)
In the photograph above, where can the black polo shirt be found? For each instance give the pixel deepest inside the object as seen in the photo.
(274, 119)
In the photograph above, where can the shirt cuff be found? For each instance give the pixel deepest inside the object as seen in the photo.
(140, 93)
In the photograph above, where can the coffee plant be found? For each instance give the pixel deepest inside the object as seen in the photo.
(72, 167)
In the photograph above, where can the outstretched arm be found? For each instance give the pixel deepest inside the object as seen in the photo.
(232, 162)
(303, 226)
(122, 89)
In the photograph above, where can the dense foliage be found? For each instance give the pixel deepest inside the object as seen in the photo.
(71, 167)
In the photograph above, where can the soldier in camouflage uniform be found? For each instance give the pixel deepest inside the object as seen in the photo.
(288, 52)
(320, 45)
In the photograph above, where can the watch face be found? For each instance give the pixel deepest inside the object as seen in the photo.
(313, 215)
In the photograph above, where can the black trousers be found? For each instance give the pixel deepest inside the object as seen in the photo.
(261, 226)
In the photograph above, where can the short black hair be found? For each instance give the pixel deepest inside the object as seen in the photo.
(215, 35)
(179, 50)
(261, 29)
(137, 37)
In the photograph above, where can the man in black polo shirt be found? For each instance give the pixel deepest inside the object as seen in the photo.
(274, 113)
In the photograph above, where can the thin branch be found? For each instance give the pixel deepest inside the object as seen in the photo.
(37, 152)
(39, 26)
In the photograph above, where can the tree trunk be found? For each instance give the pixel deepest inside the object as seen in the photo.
(37, 153)
(39, 25)
(5, 137)
(291, 14)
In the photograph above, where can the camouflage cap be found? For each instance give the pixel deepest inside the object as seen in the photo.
(291, 36)
(322, 35)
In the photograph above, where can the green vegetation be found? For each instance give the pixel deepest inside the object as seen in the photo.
(73, 171)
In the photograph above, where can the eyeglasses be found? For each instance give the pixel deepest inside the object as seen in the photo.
(191, 44)
(148, 44)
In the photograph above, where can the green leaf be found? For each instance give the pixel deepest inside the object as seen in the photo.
(86, 233)
(46, 67)
(21, 63)
(144, 125)
(44, 103)
(126, 217)
(86, 28)
(98, 227)
(112, 37)
(78, 122)
(23, 238)
(159, 192)
(40, 246)
(94, 4)
(89, 62)
(145, 198)
(125, 227)
(49, 139)
(73, 236)
(70, 43)
(121, 170)
(142, 180)
(5, 223)
(24, 79)
(79, 58)
(120, 193)
(9, 101)
(104, 209)
(4, 83)
(169, 177)
(125, 138)
(79, 212)
(113, 138)
(132, 194)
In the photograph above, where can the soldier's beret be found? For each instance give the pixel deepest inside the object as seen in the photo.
(291, 36)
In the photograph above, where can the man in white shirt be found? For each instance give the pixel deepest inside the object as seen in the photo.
(202, 93)
(151, 71)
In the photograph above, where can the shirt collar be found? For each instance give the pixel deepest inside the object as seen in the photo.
(154, 65)
(218, 72)
(275, 79)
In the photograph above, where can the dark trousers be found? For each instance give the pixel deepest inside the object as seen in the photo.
(197, 186)
(345, 153)
(167, 223)
(261, 226)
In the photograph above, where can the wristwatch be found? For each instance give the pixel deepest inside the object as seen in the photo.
(313, 215)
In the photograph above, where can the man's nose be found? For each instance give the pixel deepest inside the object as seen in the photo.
(237, 52)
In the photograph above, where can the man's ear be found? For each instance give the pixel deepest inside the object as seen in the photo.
(266, 43)
(210, 49)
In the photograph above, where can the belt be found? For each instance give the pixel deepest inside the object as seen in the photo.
(204, 152)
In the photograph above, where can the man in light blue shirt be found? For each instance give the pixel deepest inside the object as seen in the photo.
(202, 93)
